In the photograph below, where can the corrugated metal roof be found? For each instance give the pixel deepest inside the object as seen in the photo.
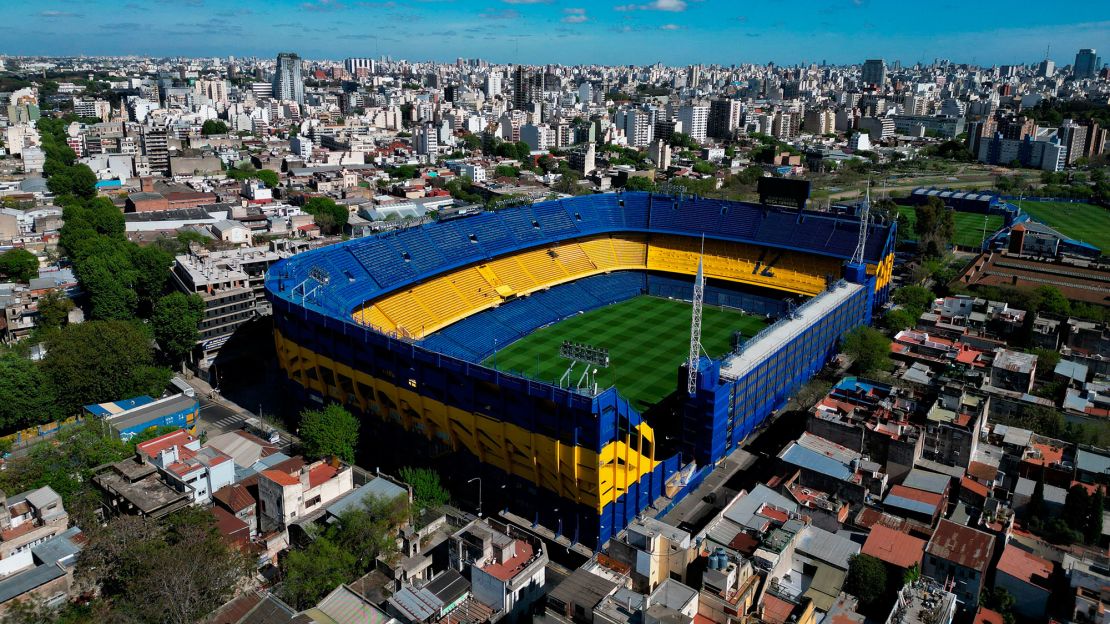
(928, 481)
(810, 459)
(831, 548)
(900, 502)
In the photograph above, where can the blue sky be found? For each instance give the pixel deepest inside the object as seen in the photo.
(566, 31)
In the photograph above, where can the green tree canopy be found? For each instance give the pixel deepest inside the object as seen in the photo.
(177, 570)
(213, 126)
(329, 432)
(310, 573)
(427, 492)
(101, 361)
(329, 215)
(868, 348)
(54, 308)
(175, 320)
(26, 394)
(639, 183)
(866, 578)
(19, 264)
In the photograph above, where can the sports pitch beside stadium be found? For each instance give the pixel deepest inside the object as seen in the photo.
(647, 338)
(969, 226)
(1085, 222)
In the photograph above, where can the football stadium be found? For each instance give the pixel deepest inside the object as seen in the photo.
(534, 344)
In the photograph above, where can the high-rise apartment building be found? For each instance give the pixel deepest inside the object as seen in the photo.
(695, 120)
(527, 87)
(874, 73)
(288, 83)
(352, 65)
(1086, 64)
(724, 117)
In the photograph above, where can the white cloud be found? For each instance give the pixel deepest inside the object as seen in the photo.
(670, 27)
(672, 6)
(575, 16)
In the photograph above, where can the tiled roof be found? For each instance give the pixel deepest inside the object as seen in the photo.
(893, 547)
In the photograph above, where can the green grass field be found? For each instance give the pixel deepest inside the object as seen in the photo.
(647, 337)
(969, 226)
(1090, 224)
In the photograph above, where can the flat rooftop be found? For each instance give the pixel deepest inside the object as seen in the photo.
(758, 349)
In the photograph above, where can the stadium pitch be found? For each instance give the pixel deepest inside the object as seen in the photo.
(1085, 222)
(970, 226)
(647, 338)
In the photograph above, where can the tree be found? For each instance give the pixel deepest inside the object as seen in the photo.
(866, 578)
(369, 531)
(1050, 299)
(935, 223)
(868, 348)
(505, 171)
(427, 492)
(26, 395)
(639, 183)
(898, 319)
(101, 361)
(270, 178)
(309, 574)
(19, 264)
(178, 570)
(1001, 601)
(1076, 507)
(329, 432)
(213, 126)
(331, 217)
(54, 308)
(1092, 530)
(175, 320)
(915, 299)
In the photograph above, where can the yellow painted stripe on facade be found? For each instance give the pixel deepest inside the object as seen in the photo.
(572, 472)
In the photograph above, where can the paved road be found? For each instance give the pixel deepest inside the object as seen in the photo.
(220, 416)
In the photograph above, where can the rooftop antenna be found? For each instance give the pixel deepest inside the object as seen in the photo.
(864, 213)
(695, 325)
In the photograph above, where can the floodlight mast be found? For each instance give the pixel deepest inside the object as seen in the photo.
(695, 326)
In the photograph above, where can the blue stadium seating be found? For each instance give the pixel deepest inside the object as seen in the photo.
(424, 256)
(520, 225)
(490, 231)
(452, 243)
(383, 260)
(554, 219)
(636, 207)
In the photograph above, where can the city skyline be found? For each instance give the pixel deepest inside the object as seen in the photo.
(561, 31)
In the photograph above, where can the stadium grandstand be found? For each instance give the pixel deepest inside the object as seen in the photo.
(397, 327)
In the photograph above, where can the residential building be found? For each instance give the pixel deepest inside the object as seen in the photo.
(954, 425)
(695, 120)
(1028, 578)
(186, 466)
(1013, 370)
(231, 283)
(286, 497)
(583, 159)
(507, 568)
(26, 520)
(654, 551)
(47, 576)
(959, 556)
(288, 83)
(659, 152)
(924, 601)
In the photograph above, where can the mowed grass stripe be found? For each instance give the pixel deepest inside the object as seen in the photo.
(1084, 222)
(647, 337)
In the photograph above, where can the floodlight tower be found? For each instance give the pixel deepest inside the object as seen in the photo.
(695, 326)
(864, 213)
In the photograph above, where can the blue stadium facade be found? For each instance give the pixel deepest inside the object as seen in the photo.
(581, 464)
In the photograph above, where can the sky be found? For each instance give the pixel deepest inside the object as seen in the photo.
(674, 32)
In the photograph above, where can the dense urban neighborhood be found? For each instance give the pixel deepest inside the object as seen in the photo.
(374, 340)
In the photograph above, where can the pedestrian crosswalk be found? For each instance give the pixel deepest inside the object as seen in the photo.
(228, 422)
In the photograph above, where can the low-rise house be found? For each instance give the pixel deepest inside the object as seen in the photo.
(26, 520)
(959, 556)
(1028, 579)
(188, 467)
(507, 571)
(923, 602)
(47, 576)
(654, 550)
(288, 497)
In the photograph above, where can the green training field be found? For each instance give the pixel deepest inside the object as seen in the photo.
(1090, 224)
(647, 337)
(969, 226)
